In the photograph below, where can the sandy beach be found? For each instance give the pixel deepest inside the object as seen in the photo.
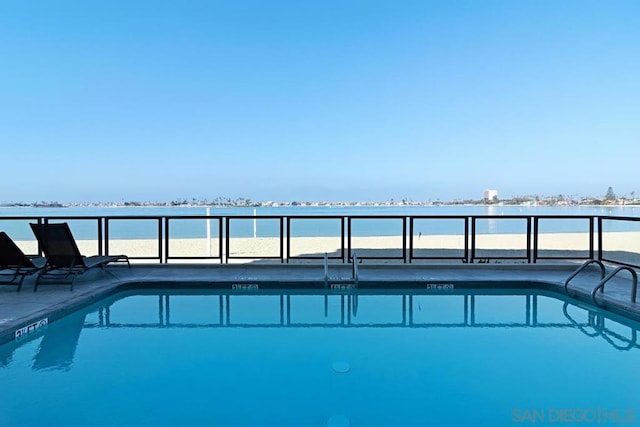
(621, 246)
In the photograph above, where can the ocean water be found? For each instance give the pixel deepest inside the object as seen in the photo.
(292, 359)
(264, 227)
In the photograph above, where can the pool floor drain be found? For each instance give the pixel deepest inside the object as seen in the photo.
(338, 421)
(341, 367)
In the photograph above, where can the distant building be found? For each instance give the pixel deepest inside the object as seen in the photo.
(490, 195)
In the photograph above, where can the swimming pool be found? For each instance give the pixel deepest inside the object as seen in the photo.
(473, 358)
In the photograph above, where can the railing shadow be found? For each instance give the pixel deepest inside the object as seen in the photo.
(58, 346)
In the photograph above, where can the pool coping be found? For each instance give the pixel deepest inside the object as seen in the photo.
(256, 279)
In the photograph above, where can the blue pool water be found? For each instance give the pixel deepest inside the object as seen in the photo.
(163, 358)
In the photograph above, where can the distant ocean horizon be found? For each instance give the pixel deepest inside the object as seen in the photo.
(137, 229)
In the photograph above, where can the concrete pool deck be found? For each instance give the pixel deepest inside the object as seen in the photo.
(20, 309)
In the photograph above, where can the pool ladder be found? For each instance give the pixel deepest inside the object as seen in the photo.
(353, 281)
(604, 278)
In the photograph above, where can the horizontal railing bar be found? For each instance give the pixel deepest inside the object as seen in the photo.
(254, 257)
(549, 216)
(194, 216)
(619, 218)
(310, 216)
(501, 216)
(147, 217)
(257, 216)
(502, 257)
(438, 216)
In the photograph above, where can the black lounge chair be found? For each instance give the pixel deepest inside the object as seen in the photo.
(14, 264)
(63, 257)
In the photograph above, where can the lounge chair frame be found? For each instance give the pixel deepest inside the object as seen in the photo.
(64, 260)
(14, 264)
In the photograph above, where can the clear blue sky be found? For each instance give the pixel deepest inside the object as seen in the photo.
(113, 100)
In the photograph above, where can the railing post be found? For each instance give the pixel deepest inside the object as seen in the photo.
(166, 240)
(600, 238)
(410, 239)
(536, 230)
(591, 238)
(404, 240)
(106, 235)
(227, 238)
(529, 240)
(348, 239)
(40, 221)
(100, 235)
(466, 239)
(342, 251)
(282, 241)
(288, 239)
(473, 239)
(220, 239)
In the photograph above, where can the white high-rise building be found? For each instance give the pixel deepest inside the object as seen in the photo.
(490, 194)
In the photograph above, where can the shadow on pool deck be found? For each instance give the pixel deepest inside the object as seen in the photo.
(53, 301)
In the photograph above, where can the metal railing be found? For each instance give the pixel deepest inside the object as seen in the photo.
(474, 249)
(536, 233)
(602, 220)
(465, 227)
(410, 237)
(302, 218)
(167, 246)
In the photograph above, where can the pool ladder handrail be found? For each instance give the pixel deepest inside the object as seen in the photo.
(354, 270)
(326, 270)
(634, 285)
(582, 267)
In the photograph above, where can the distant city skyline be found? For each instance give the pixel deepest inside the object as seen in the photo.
(331, 100)
(487, 196)
(477, 197)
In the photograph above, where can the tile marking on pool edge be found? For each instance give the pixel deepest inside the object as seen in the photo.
(245, 287)
(342, 287)
(440, 286)
(32, 328)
